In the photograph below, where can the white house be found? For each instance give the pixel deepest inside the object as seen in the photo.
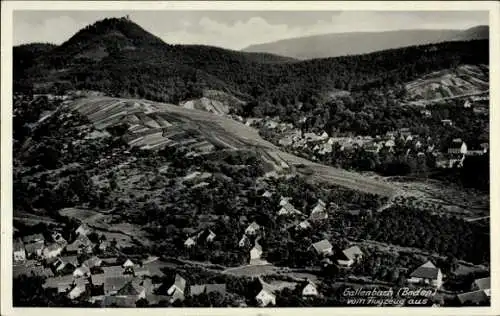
(457, 147)
(190, 242)
(256, 251)
(19, 252)
(284, 200)
(350, 256)
(77, 291)
(128, 264)
(176, 291)
(252, 229)
(266, 295)
(427, 274)
(211, 236)
(82, 271)
(310, 290)
(52, 251)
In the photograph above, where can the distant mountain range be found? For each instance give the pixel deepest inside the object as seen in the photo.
(118, 57)
(342, 44)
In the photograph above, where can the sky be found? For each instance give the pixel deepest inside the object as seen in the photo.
(238, 29)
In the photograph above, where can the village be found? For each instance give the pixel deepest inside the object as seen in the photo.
(87, 267)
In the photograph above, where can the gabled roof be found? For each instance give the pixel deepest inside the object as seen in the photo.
(322, 245)
(113, 271)
(56, 282)
(71, 260)
(351, 252)
(98, 279)
(130, 288)
(53, 247)
(31, 270)
(253, 226)
(128, 263)
(483, 284)
(475, 297)
(197, 289)
(120, 301)
(426, 271)
(93, 262)
(33, 247)
(219, 288)
(33, 238)
(267, 287)
(115, 283)
(180, 282)
(83, 269)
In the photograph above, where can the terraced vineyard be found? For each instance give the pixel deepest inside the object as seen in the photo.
(463, 81)
(154, 126)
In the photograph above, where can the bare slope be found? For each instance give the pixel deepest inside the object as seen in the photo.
(342, 44)
(157, 121)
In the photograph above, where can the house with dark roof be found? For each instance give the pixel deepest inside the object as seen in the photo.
(482, 284)
(33, 238)
(323, 247)
(457, 147)
(427, 274)
(474, 298)
(118, 301)
(61, 284)
(350, 256)
(82, 244)
(113, 284)
(34, 249)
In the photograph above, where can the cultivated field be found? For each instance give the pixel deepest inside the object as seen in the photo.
(201, 127)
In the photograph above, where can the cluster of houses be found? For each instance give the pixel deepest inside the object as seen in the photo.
(323, 144)
(457, 152)
(267, 294)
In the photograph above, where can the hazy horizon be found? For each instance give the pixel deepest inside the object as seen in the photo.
(225, 28)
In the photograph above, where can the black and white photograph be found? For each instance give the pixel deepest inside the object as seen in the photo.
(230, 158)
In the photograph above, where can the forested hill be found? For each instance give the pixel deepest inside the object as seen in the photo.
(120, 58)
(355, 43)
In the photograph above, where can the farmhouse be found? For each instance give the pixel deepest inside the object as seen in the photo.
(319, 212)
(457, 147)
(323, 247)
(19, 252)
(255, 252)
(60, 284)
(33, 238)
(446, 122)
(83, 229)
(474, 298)
(284, 200)
(427, 274)
(52, 251)
(252, 229)
(310, 290)
(288, 209)
(483, 284)
(92, 262)
(350, 256)
(190, 242)
(78, 290)
(176, 291)
(34, 249)
(266, 295)
(82, 244)
(82, 271)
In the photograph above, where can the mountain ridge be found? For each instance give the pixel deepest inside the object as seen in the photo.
(354, 43)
